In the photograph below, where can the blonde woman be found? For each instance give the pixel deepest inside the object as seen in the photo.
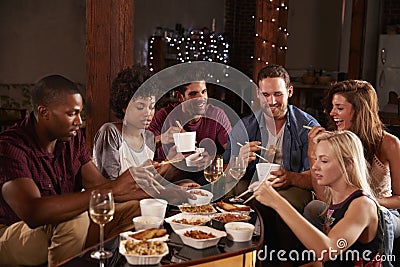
(353, 106)
(352, 222)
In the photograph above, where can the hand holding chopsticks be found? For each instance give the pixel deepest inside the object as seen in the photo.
(271, 183)
(307, 127)
(152, 178)
(239, 144)
(261, 147)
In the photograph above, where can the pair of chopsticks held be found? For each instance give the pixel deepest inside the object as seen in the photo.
(153, 179)
(252, 196)
(264, 159)
(272, 182)
(261, 147)
(163, 163)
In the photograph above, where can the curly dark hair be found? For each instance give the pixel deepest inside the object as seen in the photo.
(125, 86)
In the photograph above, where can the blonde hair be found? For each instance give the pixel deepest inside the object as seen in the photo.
(349, 152)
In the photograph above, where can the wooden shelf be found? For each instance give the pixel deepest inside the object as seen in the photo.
(309, 97)
(390, 118)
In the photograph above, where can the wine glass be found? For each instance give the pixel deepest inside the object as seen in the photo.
(101, 210)
(213, 171)
(237, 167)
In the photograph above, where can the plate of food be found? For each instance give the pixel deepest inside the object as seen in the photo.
(228, 207)
(143, 252)
(197, 209)
(184, 220)
(220, 219)
(200, 236)
(151, 234)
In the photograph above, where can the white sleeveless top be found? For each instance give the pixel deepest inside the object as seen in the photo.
(381, 182)
(130, 157)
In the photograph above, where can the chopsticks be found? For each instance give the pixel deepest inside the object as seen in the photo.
(248, 190)
(307, 127)
(164, 163)
(266, 149)
(179, 124)
(244, 193)
(155, 188)
(239, 144)
(250, 198)
(153, 179)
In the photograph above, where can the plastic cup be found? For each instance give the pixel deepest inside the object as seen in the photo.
(264, 169)
(185, 142)
(153, 207)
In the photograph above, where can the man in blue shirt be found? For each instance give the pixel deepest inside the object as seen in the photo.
(278, 127)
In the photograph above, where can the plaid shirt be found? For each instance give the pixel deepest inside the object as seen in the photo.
(53, 173)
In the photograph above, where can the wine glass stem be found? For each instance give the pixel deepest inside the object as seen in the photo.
(101, 238)
(212, 190)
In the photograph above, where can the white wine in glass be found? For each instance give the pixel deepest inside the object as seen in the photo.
(101, 210)
(212, 172)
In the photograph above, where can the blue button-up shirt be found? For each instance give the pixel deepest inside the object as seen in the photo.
(295, 139)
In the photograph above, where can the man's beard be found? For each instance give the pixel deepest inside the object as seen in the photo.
(278, 114)
(195, 109)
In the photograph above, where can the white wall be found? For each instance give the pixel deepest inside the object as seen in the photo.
(42, 37)
(167, 13)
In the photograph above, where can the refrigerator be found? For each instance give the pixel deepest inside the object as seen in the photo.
(388, 69)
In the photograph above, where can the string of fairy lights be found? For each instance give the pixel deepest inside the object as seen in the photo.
(208, 46)
(271, 5)
(196, 45)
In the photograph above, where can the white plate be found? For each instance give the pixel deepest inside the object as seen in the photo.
(125, 235)
(142, 259)
(201, 243)
(190, 217)
(212, 210)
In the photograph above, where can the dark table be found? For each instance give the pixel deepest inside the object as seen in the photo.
(225, 253)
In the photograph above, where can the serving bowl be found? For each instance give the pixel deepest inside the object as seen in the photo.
(200, 243)
(183, 220)
(136, 259)
(239, 231)
(202, 196)
(146, 222)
